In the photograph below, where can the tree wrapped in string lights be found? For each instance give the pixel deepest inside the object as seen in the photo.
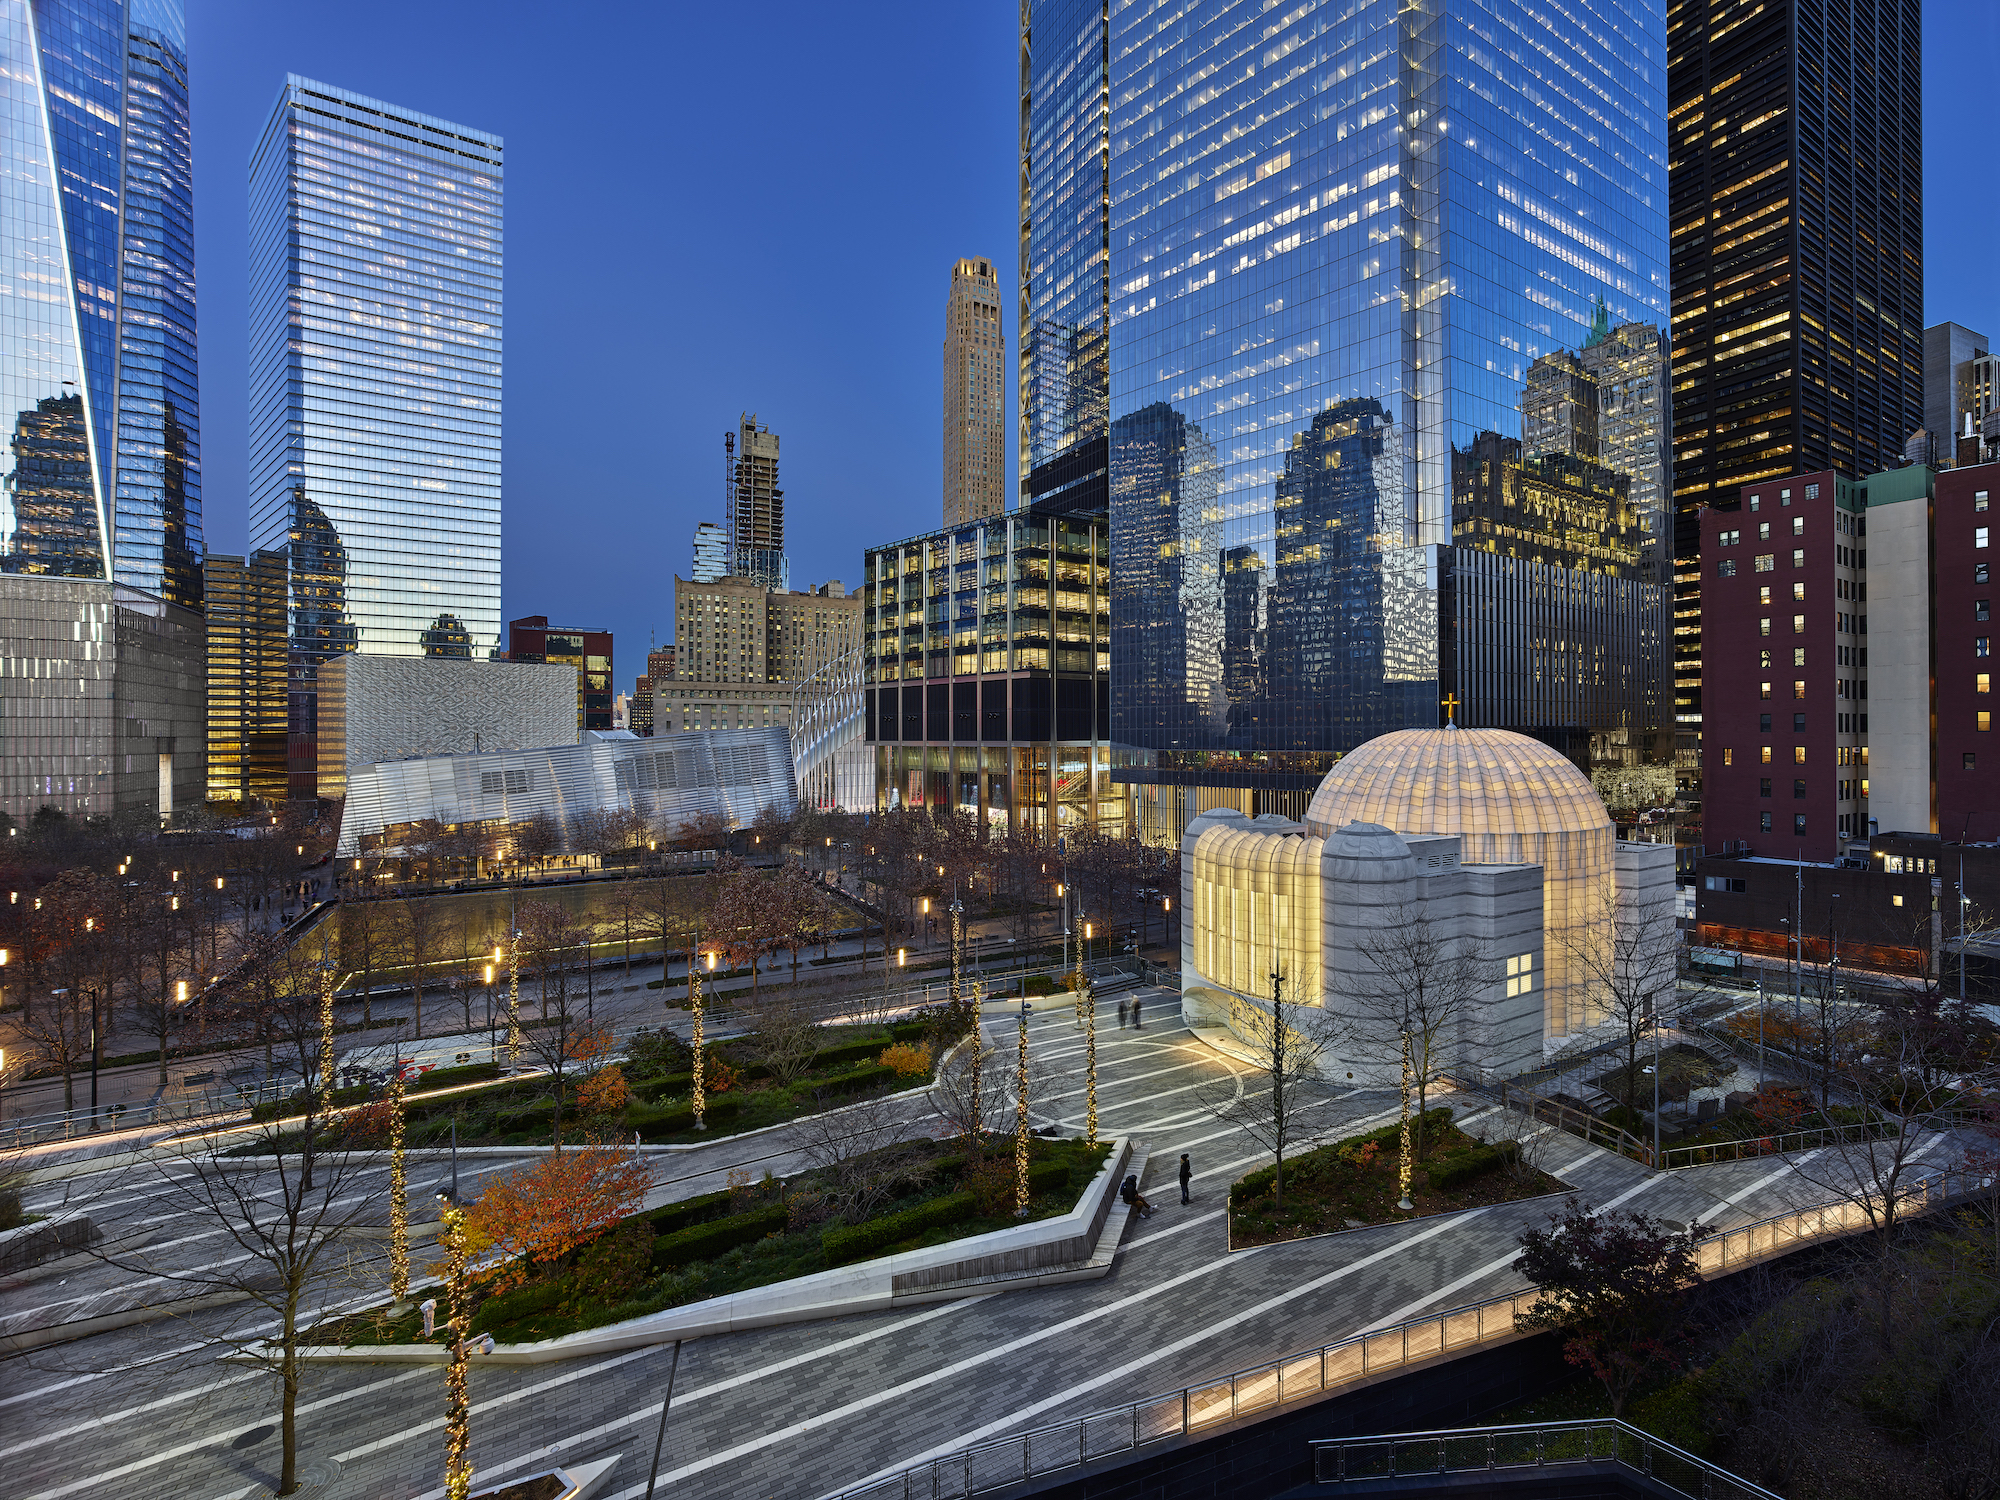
(1403, 1156)
(1089, 1061)
(1021, 1120)
(699, 1097)
(456, 1238)
(399, 1204)
(514, 1000)
(325, 1035)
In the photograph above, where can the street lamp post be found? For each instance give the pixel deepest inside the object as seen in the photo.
(95, 1050)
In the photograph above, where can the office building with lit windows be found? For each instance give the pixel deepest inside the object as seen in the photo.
(533, 638)
(986, 652)
(1364, 354)
(1860, 700)
(375, 366)
(1797, 207)
(248, 676)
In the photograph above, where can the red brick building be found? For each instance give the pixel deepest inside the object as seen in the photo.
(1967, 768)
(532, 638)
(1784, 668)
(1806, 746)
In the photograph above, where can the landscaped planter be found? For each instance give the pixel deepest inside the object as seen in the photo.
(577, 1482)
(1055, 1248)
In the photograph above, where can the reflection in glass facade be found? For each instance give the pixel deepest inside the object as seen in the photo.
(1355, 250)
(375, 274)
(1065, 296)
(97, 331)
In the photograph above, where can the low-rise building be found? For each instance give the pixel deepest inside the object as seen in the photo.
(387, 708)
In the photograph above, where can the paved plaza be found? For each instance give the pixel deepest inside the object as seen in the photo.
(806, 1410)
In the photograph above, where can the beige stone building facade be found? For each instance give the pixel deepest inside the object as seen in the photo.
(739, 650)
(975, 407)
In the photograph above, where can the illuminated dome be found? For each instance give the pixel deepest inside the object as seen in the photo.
(1510, 800)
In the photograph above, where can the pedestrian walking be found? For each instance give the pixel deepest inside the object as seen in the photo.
(1187, 1176)
(1122, 1008)
(1136, 1024)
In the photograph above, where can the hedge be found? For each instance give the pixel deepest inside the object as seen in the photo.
(423, 1083)
(1462, 1167)
(1310, 1164)
(688, 1211)
(706, 1241)
(673, 1122)
(849, 1242)
(853, 1083)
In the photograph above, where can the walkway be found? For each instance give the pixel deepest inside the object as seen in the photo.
(805, 1410)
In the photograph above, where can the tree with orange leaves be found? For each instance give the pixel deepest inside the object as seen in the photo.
(539, 1214)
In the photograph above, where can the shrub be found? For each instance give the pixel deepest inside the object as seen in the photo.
(856, 1082)
(1038, 984)
(1461, 1167)
(907, 1059)
(653, 1053)
(706, 1241)
(991, 1184)
(603, 1092)
(674, 1121)
(717, 1076)
(850, 1242)
(664, 1086)
(1341, 1154)
(689, 1211)
(612, 1267)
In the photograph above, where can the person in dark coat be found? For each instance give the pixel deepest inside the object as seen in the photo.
(1128, 1190)
(1122, 1008)
(1136, 1026)
(1187, 1176)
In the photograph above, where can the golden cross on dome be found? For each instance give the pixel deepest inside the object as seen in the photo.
(1450, 701)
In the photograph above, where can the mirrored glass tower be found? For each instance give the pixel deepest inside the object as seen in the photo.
(102, 475)
(375, 333)
(1383, 382)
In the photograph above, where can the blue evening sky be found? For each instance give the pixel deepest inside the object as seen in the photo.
(714, 209)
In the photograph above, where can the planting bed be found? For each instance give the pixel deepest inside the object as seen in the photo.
(1354, 1182)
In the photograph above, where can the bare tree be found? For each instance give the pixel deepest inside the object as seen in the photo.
(1420, 989)
(1627, 958)
(1286, 1041)
(554, 939)
(59, 1033)
(787, 1037)
(421, 937)
(285, 1225)
(855, 1149)
(969, 1091)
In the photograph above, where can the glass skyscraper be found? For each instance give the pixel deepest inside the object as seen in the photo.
(1383, 383)
(375, 285)
(97, 330)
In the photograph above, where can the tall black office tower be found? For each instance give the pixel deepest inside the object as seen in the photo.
(1796, 181)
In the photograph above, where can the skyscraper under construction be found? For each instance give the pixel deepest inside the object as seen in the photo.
(756, 504)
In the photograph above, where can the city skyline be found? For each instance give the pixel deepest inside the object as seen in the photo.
(654, 488)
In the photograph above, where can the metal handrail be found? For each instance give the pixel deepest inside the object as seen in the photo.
(72, 1123)
(1187, 1412)
(1773, 1145)
(1538, 1445)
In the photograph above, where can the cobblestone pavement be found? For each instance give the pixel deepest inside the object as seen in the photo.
(803, 1410)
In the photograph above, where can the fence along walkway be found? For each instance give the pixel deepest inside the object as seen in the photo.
(1597, 1444)
(1187, 1413)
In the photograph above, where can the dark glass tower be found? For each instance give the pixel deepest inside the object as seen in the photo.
(1065, 255)
(1797, 204)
